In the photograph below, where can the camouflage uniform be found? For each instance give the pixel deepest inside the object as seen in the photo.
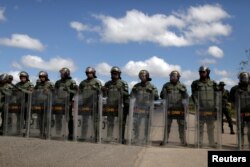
(86, 88)
(122, 87)
(42, 88)
(204, 91)
(143, 88)
(26, 88)
(226, 108)
(175, 103)
(5, 89)
(242, 91)
(67, 84)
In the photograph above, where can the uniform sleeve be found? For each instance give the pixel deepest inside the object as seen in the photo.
(232, 94)
(162, 92)
(155, 91)
(193, 90)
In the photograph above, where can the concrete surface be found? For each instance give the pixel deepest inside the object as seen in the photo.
(15, 151)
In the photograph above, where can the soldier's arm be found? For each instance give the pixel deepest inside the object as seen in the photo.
(73, 87)
(162, 94)
(193, 90)
(155, 91)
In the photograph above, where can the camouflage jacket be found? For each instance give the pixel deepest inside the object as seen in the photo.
(47, 85)
(198, 85)
(93, 84)
(238, 89)
(225, 98)
(121, 86)
(168, 87)
(67, 85)
(26, 87)
(148, 87)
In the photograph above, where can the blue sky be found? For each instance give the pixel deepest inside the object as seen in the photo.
(159, 36)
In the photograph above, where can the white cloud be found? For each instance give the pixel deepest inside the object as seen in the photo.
(196, 25)
(16, 65)
(78, 26)
(215, 52)
(103, 69)
(157, 67)
(222, 73)
(54, 64)
(206, 13)
(2, 17)
(22, 41)
(207, 61)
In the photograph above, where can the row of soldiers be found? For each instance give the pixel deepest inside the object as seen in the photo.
(67, 84)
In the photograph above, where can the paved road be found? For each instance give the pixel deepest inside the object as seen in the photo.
(16, 151)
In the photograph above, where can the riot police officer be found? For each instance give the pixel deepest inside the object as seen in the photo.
(144, 87)
(26, 87)
(43, 82)
(203, 95)
(239, 96)
(43, 88)
(116, 83)
(176, 94)
(90, 87)
(5, 89)
(226, 108)
(66, 83)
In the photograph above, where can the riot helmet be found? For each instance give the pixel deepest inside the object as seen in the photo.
(144, 75)
(90, 70)
(24, 74)
(115, 71)
(4, 77)
(174, 76)
(43, 74)
(65, 73)
(203, 70)
(244, 77)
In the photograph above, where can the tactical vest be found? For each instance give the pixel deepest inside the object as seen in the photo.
(206, 95)
(175, 94)
(42, 86)
(144, 94)
(244, 96)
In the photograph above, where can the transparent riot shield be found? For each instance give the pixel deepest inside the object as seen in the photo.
(87, 116)
(40, 112)
(14, 114)
(140, 118)
(208, 119)
(112, 116)
(243, 120)
(59, 115)
(175, 119)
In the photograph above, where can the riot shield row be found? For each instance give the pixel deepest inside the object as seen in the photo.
(99, 119)
(243, 119)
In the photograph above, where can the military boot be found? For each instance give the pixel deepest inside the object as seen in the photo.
(232, 131)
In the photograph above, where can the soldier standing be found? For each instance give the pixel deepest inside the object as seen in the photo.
(90, 87)
(176, 94)
(203, 94)
(143, 88)
(226, 108)
(44, 86)
(5, 89)
(26, 87)
(116, 83)
(240, 97)
(67, 84)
